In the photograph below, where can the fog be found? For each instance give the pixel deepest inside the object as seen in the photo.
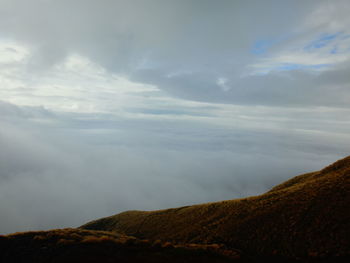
(107, 106)
(55, 174)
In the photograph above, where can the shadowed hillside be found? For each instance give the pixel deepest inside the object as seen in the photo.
(307, 217)
(74, 245)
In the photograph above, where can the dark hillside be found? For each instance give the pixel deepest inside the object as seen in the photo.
(74, 245)
(307, 217)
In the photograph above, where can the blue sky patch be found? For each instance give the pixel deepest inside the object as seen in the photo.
(321, 42)
(261, 46)
(159, 111)
(334, 50)
(294, 66)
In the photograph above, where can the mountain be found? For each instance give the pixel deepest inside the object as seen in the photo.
(304, 218)
(77, 245)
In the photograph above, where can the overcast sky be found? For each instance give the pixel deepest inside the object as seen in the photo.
(108, 106)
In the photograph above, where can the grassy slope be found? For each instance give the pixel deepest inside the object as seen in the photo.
(305, 217)
(76, 245)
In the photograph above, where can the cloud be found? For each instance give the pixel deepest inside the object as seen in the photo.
(116, 105)
(150, 41)
(54, 164)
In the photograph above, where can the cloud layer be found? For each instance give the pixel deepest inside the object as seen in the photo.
(186, 47)
(113, 105)
(62, 169)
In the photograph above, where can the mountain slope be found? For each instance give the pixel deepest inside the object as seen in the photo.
(305, 217)
(76, 245)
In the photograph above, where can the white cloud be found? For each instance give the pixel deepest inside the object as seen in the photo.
(11, 53)
(320, 42)
(76, 84)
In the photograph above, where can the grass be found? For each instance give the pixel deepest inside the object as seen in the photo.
(78, 245)
(307, 217)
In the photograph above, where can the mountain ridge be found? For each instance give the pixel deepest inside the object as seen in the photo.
(304, 219)
(306, 216)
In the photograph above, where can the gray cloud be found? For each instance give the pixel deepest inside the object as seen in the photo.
(139, 147)
(286, 88)
(150, 40)
(60, 170)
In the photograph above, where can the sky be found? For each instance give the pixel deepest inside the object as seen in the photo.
(107, 106)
